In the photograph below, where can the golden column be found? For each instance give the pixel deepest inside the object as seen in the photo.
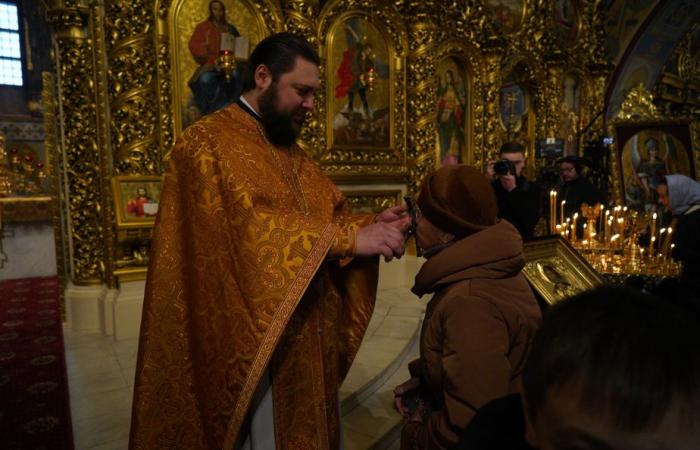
(301, 17)
(490, 87)
(593, 49)
(84, 152)
(421, 89)
(553, 98)
(166, 136)
(133, 91)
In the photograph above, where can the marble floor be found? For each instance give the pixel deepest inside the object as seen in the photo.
(101, 373)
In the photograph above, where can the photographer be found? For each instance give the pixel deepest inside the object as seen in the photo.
(518, 198)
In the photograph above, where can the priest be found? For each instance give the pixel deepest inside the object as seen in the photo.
(261, 282)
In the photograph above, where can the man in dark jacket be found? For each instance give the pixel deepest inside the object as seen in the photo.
(518, 198)
(575, 189)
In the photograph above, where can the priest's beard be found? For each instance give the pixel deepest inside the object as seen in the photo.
(281, 127)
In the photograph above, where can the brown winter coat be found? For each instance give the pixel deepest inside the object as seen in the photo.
(477, 332)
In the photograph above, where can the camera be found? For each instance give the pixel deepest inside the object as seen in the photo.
(504, 167)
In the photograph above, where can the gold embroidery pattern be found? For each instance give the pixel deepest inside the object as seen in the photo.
(232, 256)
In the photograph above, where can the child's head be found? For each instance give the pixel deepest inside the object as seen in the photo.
(614, 369)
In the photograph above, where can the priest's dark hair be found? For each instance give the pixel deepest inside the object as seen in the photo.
(628, 357)
(278, 53)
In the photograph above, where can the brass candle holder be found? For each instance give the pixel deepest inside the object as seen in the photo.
(226, 62)
(610, 242)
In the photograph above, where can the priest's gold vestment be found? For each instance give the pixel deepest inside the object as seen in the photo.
(250, 270)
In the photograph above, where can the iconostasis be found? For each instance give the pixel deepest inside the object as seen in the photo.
(407, 87)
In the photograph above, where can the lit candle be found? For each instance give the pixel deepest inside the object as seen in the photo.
(619, 229)
(652, 235)
(666, 246)
(573, 228)
(552, 211)
(561, 209)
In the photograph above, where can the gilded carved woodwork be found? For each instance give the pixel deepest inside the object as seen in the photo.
(164, 85)
(421, 88)
(132, 79)
(81, 147)
(121, 69)
(300, 18)
(49, 106)
(491, 99)
(103, 134)
(638, 105)
(372, 201)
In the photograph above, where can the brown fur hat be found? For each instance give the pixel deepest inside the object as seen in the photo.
(458, 199)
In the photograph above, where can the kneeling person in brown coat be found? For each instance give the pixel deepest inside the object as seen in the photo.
(482, 317)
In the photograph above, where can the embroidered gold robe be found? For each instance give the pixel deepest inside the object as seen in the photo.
(247, 273)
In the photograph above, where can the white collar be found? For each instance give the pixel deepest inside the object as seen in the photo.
(245, 102)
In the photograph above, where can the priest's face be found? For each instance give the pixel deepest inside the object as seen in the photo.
(287, 100)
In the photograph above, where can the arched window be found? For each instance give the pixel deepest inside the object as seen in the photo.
(10, 48)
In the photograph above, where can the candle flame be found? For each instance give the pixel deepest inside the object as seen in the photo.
(615, 236)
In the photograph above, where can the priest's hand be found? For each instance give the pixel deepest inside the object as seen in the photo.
(380, 238)
(393, 214)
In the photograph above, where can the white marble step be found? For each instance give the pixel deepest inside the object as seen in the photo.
(391, 342)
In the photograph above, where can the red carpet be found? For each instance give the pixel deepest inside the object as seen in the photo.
(34, 401)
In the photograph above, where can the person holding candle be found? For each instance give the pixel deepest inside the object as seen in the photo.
(518, 198)
(681, 196)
